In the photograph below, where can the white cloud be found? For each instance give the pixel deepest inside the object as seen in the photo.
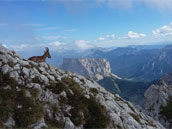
(161, 5)
(164, 30)
(101, 38)
(56, 44)
(132, 35)
(83, 44)
(112, 36)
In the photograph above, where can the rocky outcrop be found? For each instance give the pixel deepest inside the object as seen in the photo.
(37, 95)
(89, 67)
(158, 100)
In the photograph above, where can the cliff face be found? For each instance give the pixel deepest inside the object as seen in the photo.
(37, 95)
(159, 101)
(89, 67)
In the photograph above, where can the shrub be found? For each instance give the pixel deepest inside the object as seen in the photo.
(30, 112)
(136, 117)
(74, 86)
(1, 53)
(94, 91)
(96, 117)
(52, 123)
(58, 87)
(11, 64)
(82, 80)
(85, 111)
(6, 104)
(166, 111)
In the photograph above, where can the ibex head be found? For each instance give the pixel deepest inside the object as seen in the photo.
(47, 52)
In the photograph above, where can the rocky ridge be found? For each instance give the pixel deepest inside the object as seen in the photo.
(37, 95)
(96, 68)
(159, 101)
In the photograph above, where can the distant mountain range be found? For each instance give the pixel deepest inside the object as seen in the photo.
(138, 64)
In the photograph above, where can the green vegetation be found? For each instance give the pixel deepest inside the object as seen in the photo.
(136, 117)
(166, 111)
(51, 122)
(84, 111)
(1, 53)
(58, 87)
(94, 91)
(96, 117)
(130, 106)
(74, 86)
(128, 90)
(117, 87)
(37, 80)
(150, 123)
(28, 66)
(82, 80)
(119, 127)
(25, 110)
(11, 64)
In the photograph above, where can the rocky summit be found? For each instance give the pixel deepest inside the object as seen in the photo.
(37, 95)
(159, 101)
(95, 68)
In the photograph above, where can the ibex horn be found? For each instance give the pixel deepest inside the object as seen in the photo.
(47, 48)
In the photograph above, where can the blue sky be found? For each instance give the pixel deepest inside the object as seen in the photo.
(84, 23)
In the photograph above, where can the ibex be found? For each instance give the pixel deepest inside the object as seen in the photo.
(41, 58)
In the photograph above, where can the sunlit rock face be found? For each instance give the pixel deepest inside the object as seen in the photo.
(90, 67)
(37, 95)
(159, 100)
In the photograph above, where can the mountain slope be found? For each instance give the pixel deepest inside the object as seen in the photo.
(37, 95)
(159, 100)
(99, 69)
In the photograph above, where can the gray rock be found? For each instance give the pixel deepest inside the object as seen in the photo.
(26, 71)
(44, 78)
(22, 62)
(92, 68)
(69, 124)
(39, 125)
(14, 75)
(5, 69)
(10, 123)
(63, 94)
(17, 67)
(157, 96)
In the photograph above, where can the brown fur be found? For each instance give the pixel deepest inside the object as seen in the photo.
(41, 58)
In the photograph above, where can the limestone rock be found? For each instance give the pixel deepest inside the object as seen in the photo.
(89, 67)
